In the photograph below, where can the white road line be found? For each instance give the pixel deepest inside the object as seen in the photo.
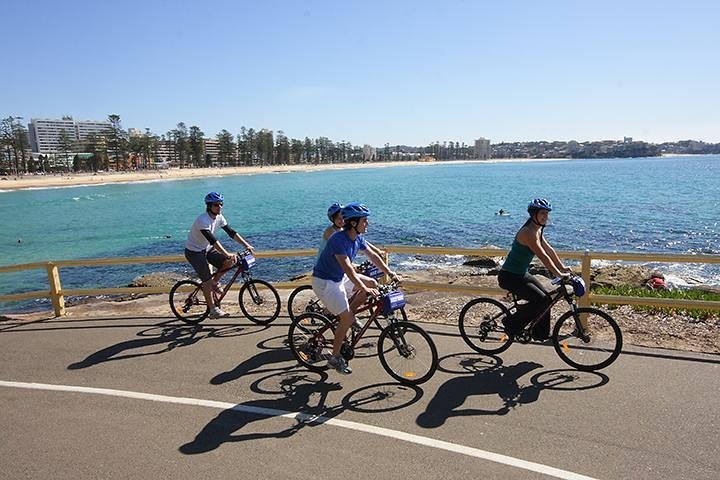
(306, 418)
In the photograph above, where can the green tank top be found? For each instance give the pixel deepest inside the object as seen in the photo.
(519, 258)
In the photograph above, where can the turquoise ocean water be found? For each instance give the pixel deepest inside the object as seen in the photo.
(668, 205)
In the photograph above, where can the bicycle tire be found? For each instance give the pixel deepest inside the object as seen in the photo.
(481, 326)
(404, 358)
(310, 339)
(189, 307)
(300, 301)
(259, 301)
(601, 348)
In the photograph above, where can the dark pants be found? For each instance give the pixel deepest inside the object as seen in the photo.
(528, 288)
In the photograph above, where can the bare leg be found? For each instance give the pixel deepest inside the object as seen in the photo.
(207, 288)
(346, 320)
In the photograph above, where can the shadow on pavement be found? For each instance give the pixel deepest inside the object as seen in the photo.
(502, 381)
(303, 393)
(167, 335)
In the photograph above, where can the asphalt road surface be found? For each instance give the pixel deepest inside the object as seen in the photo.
(152, 398)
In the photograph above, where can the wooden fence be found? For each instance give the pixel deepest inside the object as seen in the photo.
(57, 294)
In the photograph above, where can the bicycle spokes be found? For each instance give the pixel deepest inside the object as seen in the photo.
(588, 339)
(407, 353)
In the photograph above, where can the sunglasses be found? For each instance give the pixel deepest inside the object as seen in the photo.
(219, 204)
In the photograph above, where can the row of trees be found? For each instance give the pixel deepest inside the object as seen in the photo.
(15, 146)
(185, 146)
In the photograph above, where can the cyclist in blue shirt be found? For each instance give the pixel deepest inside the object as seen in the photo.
(514, 277)
(334, 214)
(334, 271)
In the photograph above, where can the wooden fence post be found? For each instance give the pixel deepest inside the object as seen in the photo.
(584, 301)
(56, 296)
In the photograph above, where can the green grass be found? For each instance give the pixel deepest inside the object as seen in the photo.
(674, 294)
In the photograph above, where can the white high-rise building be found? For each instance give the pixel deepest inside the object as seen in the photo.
(482, 148)
(45, 133)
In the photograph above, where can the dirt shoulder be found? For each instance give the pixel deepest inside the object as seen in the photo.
(678, 332)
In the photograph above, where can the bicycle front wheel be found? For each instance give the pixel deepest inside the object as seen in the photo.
(482, 328)
(407, 353)
(302, 300)
(310, 339)
(587, 339)
(187, 302)
(259, 301)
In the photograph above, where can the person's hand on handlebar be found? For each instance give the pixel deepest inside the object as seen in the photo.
(371, 292)
(395, 277)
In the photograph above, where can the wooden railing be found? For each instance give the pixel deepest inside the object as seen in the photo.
(57, 294)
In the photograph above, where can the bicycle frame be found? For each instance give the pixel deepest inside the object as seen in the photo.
(375, 307)
(239, 270)
(556, 295)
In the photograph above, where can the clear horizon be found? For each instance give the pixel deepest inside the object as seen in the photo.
(403, 72)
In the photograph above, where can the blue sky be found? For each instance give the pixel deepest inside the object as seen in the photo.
(401, 72)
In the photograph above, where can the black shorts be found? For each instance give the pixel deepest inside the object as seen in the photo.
(200, 260)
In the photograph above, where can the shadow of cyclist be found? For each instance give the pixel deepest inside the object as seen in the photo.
(170, 336)
(302, 393)
(254, 364)
(496, 380)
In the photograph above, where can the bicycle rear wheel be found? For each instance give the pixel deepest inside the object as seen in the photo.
(310, 339)
(482, 328)
(259, 301)
(407, 353)
(187, 302)
(302, 300)
(597, 347)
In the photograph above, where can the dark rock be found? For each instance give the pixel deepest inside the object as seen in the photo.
(157, 279)
(621, 275)
(481, 262)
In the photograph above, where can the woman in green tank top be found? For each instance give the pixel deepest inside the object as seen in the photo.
(514, 277)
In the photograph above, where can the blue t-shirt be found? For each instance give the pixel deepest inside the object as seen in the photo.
(327, 267)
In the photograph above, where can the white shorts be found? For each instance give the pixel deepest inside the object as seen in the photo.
(334, 295)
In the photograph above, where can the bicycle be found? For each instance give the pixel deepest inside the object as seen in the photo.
(302, 299)
(406, 351)
(259, 301)
(585, 338)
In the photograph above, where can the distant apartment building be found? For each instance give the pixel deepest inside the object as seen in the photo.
(369, 153)
(44, 134)
(482, 148)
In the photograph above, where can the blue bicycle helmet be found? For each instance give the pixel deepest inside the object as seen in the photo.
(578, 285)
(539, 204)
(333, 210)
(214, 197)
(355, 210)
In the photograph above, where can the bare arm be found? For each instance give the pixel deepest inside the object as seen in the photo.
(378, 261)
(376, 250)
(238, 238)
(349, 270)
(535, 244)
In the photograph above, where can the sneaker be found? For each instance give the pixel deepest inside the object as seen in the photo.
(217, 313)
(339, 364)
(218, 289)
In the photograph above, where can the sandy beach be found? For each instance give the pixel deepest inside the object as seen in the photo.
(31, 181)
(79, 179)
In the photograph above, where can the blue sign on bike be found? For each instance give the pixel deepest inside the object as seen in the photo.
(393, 301)
(248, 261)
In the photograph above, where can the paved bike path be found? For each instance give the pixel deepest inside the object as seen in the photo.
(650, 415)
